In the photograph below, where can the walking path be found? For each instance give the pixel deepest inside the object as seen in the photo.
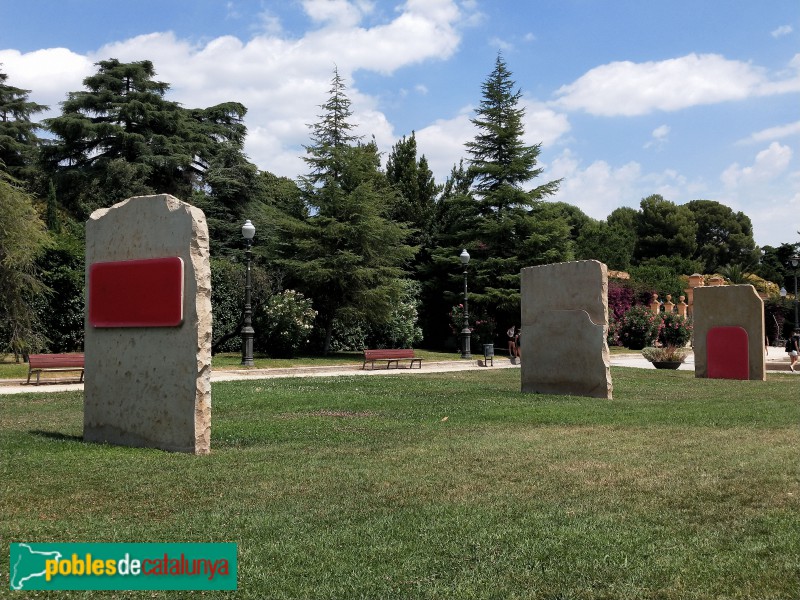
(777, 362)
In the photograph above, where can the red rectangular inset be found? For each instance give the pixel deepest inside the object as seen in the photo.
(136, 293)
(727, 353)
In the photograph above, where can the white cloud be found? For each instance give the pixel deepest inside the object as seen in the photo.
(542, 124)
(769, 164)
(335, 13)
(501, 44)
(631, 89)
(773, 133)
(282, 81)
(49, 74)
(659, 137)
(781, 31)
(442, 142)
(597, 189)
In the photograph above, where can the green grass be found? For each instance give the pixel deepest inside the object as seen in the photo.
(449, 485)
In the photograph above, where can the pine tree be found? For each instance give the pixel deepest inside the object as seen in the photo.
(18, 140)
(417, 190)
(510, 230)
(501, 163)
(121, 137)
(51, 216)
(349, 256)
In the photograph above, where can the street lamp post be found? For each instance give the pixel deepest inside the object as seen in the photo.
(248, 231)
(465, 332)
(795, 261)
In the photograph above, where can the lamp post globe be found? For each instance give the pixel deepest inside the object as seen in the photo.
(248, 231)
(465, 332)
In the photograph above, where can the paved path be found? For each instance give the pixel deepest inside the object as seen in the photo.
(777, 362)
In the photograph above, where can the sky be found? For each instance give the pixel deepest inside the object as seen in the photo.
(689, 99)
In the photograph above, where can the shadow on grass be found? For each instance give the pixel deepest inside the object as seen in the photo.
(54, 435)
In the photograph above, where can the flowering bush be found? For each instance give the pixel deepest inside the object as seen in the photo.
(612, 337)
(675, 330)
(620, 299)
(457, 320)
(481, 327)
(288, 320)
(638, 328)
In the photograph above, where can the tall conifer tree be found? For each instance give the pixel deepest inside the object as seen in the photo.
(509, 232)
(121, 137)
(18, 140)
(348, 254)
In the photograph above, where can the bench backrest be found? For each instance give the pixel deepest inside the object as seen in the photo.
(378, 354)
(55, 360)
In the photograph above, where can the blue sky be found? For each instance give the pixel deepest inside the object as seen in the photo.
(690, 99)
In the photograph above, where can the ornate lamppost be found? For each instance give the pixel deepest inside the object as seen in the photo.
(795, 261)
(248, 231)
(465, 332)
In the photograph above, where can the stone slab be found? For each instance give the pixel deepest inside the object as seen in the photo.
(564, 330)
(729, 306)
(151, 387)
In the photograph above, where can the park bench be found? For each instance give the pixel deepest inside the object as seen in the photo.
(54, 362)
(390, 356)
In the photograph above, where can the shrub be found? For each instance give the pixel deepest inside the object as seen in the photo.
(675, 330)
(620, 299)
(401, 329)
(639, 327)
(227, 302)
(287, 319)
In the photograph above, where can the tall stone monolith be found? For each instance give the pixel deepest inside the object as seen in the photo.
(564, 329)
(148, 326)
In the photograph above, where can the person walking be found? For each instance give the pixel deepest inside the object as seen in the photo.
(793, 348)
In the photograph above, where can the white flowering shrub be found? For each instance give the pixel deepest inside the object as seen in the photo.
(287, 319)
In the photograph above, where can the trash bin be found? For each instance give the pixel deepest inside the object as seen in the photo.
(488, 354)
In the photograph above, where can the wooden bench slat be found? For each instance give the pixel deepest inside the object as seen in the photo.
(37, 363)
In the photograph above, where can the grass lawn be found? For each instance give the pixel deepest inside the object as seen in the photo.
(449, 485)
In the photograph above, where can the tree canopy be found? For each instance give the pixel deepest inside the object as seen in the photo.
(120, 137)
(348, 253)
(347, 235)
(18, 139)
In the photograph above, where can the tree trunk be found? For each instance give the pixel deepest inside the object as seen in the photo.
(328, 335)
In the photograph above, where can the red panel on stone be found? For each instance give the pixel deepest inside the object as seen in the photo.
(136, 293)
(727, 353)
